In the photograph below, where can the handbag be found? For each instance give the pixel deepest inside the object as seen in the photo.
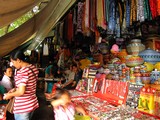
(10, 105)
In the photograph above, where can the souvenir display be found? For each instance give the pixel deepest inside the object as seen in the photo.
(135, 47)
(133, 95)
(150, 55)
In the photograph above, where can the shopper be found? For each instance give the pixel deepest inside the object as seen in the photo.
(63, 107)
(25, 87)
(51, 70)
(6, 80)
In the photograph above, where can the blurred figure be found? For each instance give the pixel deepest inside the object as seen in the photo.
(6, 80)
(63, 107)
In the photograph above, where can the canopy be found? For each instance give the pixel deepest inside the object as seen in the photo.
(37, 27)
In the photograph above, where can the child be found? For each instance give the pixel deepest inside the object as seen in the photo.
(63, 107)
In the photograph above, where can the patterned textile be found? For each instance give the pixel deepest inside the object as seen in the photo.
(140, 10)
(80, 16)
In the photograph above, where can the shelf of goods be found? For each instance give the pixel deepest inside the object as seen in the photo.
(109, 102)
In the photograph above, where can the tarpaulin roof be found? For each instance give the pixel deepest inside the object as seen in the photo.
(37, 27)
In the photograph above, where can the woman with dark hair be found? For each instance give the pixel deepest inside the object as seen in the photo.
(25, 87)
(6, 80)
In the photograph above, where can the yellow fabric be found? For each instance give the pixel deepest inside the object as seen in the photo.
(84, 63)
(100, 14)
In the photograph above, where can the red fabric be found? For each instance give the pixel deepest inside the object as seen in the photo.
(70, 27)
(153, 8)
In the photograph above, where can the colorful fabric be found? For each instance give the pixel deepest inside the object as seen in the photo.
(140, 10)
(158, 7)
(100, 14)
(80, 16)
(64, 114)
(70, 27)
(26, 76)
(153, 8)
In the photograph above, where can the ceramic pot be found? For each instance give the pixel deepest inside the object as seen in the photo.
(151, 56)
(135, 47)
(132, 61)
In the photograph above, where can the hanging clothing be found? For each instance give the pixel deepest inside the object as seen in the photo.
(45, 49)
(158, 7)
(80, 16)
(140, 10)
(70, 27)
(153, 8)
(100, 14)
(61, 30)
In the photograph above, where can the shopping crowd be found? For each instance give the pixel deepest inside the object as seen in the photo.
(19, 80)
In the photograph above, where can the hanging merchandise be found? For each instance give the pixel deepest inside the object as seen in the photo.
(153, 8)
(86, 15)
(69, 27)
(61, 30)
(112, 17)
(147, 12)
(93, 19)
(158, 6)
(128, 9)
(133, 12)
(100, 14)
(80, 16)
(140, 10)
(45, 49)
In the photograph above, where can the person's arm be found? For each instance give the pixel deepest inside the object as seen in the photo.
(80, 110)
(56, 103)
(67, 83)
(18, 92)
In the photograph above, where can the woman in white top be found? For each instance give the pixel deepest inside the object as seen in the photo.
(6, 80)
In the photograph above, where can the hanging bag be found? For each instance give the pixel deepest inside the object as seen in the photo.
(10, 105)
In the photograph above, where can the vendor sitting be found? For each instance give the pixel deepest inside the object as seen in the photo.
(73, 78)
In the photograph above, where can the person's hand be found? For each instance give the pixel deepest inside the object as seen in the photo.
(7, 96)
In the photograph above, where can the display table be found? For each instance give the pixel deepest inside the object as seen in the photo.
(99, 109)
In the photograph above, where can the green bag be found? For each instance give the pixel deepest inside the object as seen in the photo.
(81, 117)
